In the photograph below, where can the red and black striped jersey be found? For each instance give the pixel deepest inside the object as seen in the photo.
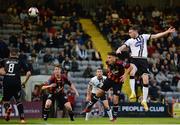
(116, 70)
(60, 82)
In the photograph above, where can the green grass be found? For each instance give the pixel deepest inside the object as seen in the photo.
(98, 121)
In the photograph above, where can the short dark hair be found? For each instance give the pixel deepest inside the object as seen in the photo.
(14, 51)
(134, 27)
(112, 54)
(99, 68)
(58, 66)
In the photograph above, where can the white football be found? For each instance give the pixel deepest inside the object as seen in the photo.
(33, 12)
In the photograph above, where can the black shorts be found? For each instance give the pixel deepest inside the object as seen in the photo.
(11, 88)
(9, 92)
(141, 64)
(101, 98)
(61, 99)
(108, 83)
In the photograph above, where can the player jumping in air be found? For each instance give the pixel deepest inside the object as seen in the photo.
(116, 74)
(95, 83)
(11, 68)
(139, 53)
(55, 85)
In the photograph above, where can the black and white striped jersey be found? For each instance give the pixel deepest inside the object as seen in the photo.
(138, 46)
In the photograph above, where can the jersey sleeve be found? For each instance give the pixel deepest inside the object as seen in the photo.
(91, 81)
(146, 36)
(128, 42)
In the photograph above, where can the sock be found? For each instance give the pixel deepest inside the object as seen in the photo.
(145, 92)
(92, 102)
(71, 115)
(115, 110)
(109, 112)
(87, 116)
(20, 110)
(45, 114)
(132, 84)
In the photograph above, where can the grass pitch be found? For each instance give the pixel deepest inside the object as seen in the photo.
(138, 121)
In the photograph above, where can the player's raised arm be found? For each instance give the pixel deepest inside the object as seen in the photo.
(159, 35)
(118, 51)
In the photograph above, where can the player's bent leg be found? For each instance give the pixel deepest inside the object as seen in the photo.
(132, 82)
(47, 109)
(69, 109)
(108, 109)
(8, 110)
(145, 78)
(94, 99)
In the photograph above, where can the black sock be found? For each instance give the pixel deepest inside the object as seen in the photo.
(115, 110)
(71, 115)
(92, 102)
(20, 110)
(45, 113)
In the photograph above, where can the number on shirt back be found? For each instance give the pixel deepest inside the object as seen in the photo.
(11, 68)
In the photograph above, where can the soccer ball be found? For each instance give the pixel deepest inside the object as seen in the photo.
(33, 12)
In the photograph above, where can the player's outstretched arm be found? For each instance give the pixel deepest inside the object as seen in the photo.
(48, 86)
(74, 88)
(89, 89)
(28, 74)
(159, 35)
(121, 48)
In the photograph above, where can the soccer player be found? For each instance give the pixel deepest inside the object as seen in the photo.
(55, 85)
(11, 69)
(116, 74)
(138, 46)
(95, 83)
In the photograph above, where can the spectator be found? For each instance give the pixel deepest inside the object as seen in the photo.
(61, 56)
(154, 69)
(161, 77)
(88, 72)
(96, 55)
(154, 91)
(38, 45)
(13, 40)
(82, 53)
(74, 65)
(66, 64)
(4, 50)
(67, 51)
(48, 57)
(36, 93)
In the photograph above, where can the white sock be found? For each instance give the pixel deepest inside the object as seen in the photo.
(132, 85)
(145, 93)
(87, 116)
(109, 112)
